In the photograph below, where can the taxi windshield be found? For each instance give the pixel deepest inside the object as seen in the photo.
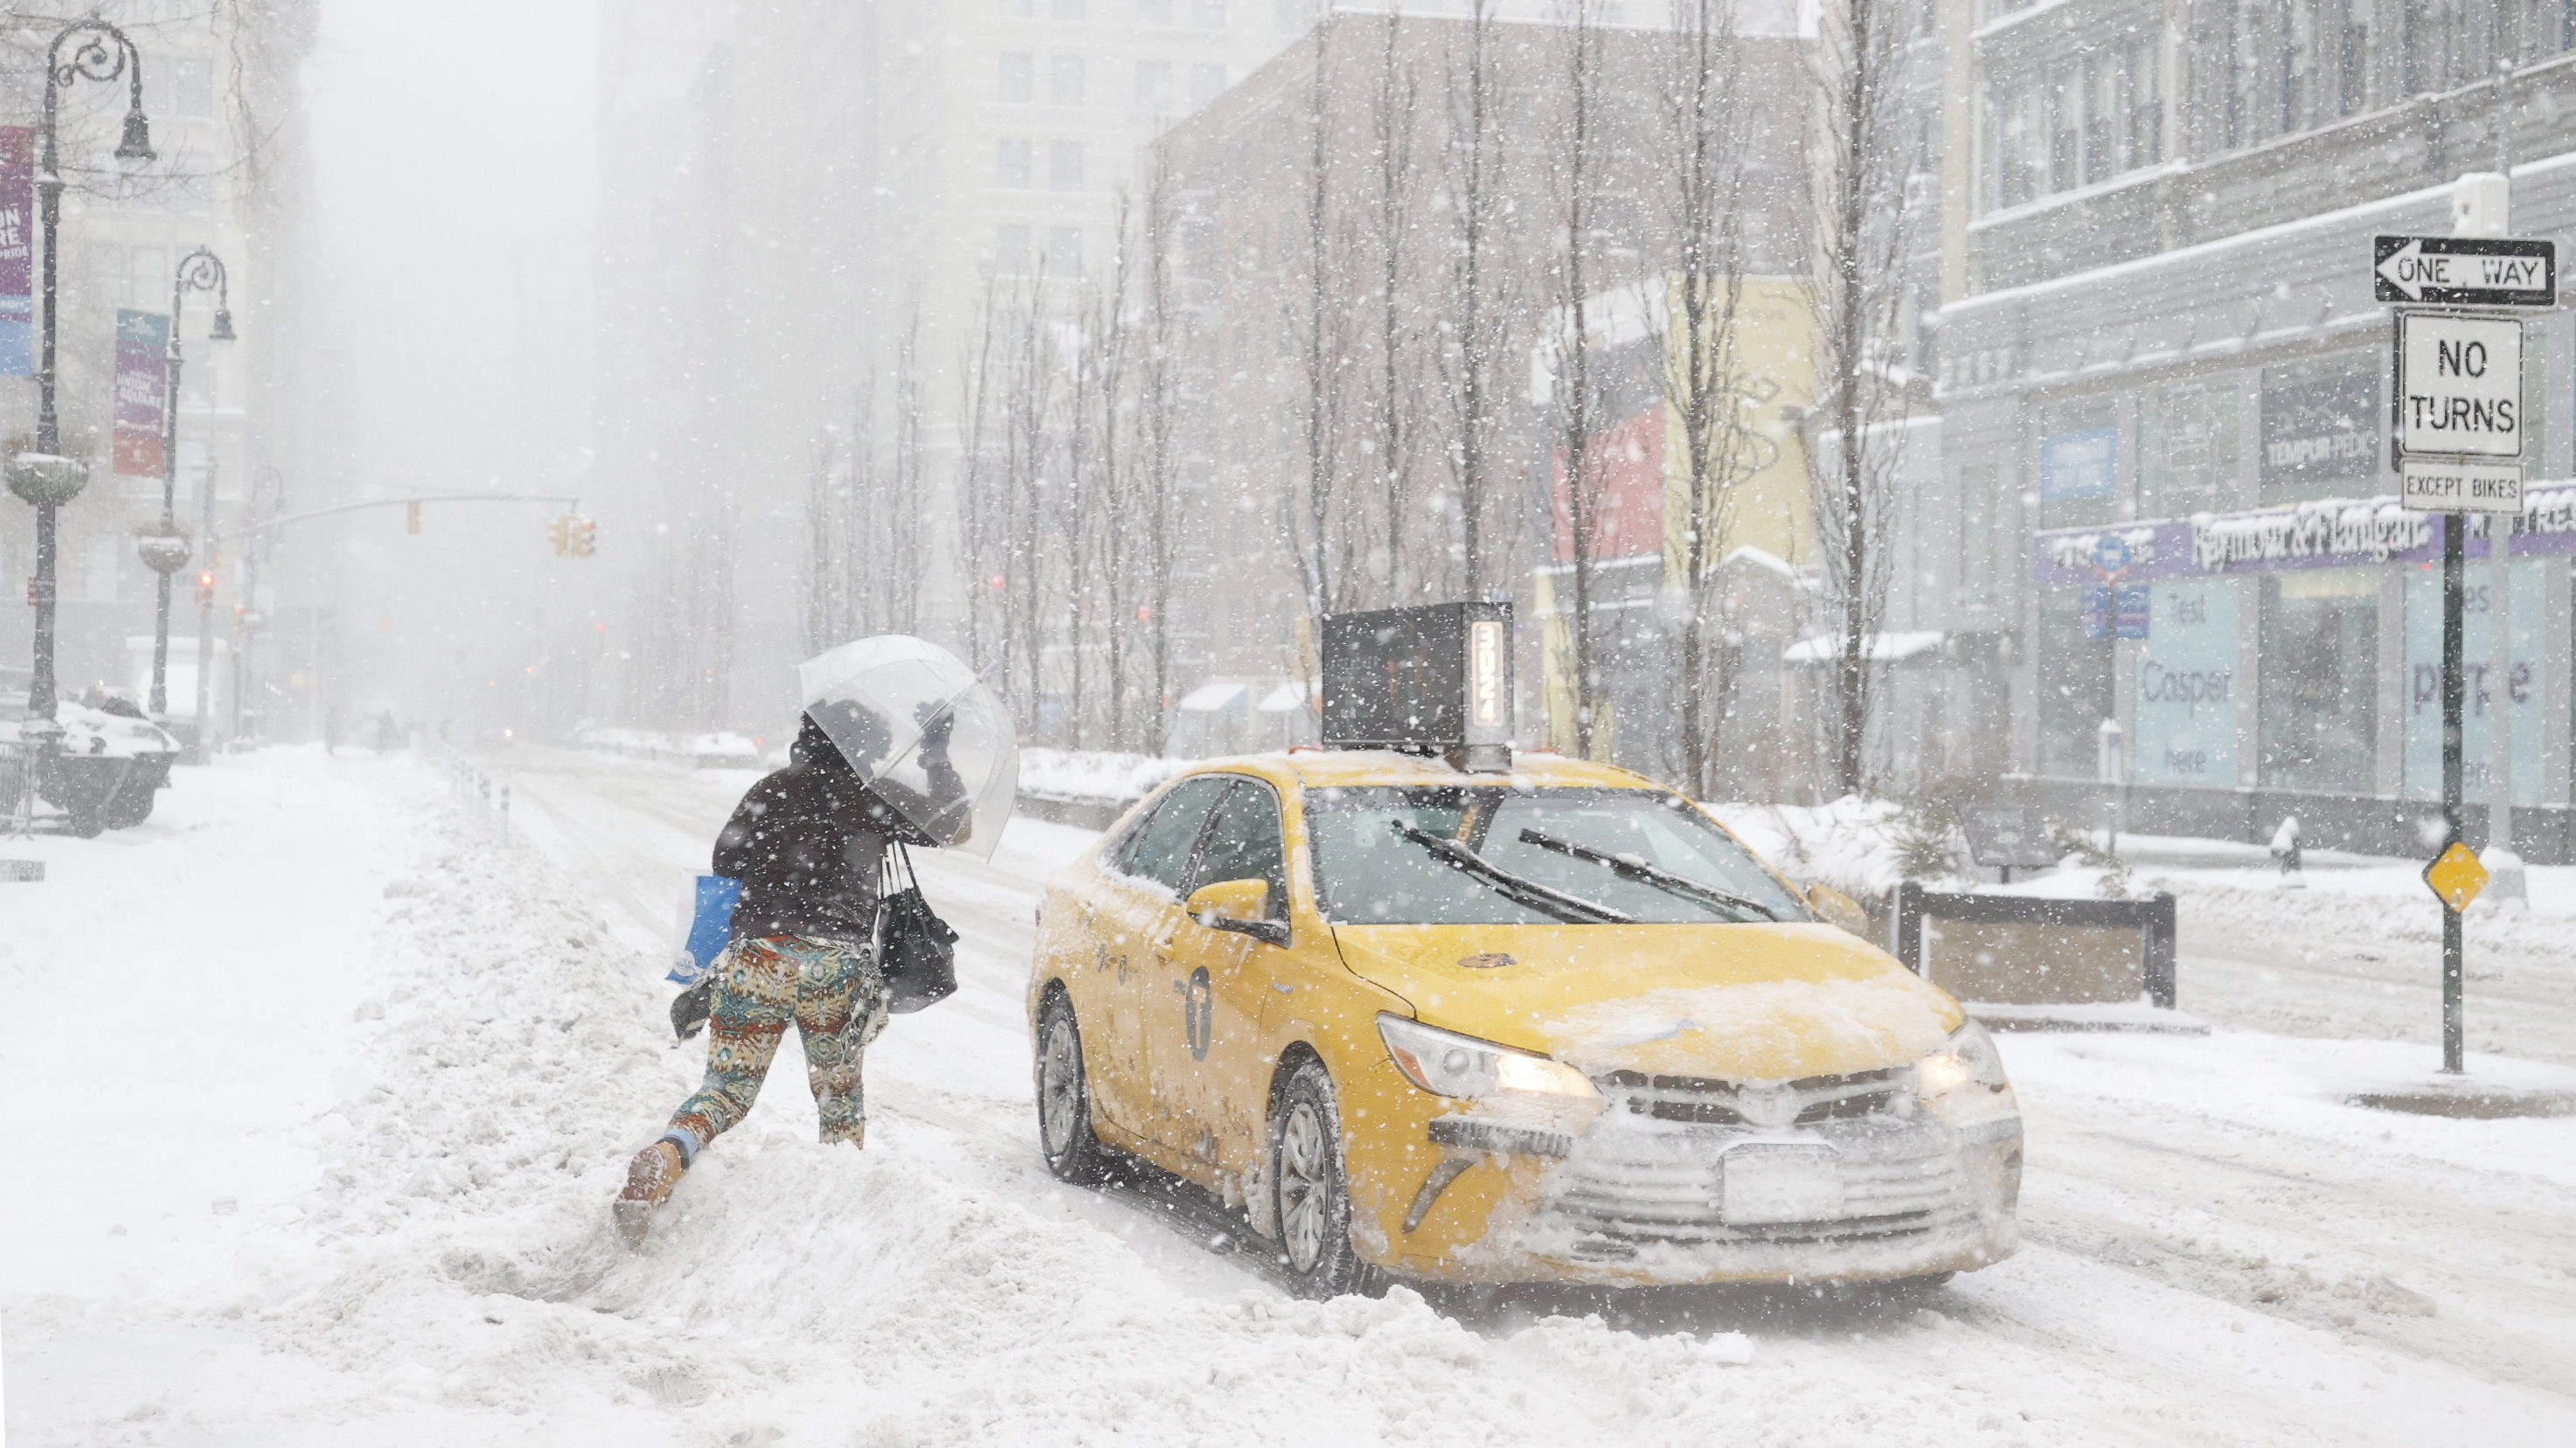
(1494, 855)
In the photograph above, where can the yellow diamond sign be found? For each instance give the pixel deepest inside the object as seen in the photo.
(2456, 876)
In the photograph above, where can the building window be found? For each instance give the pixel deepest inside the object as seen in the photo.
(1067, 10)
(1064, 165)
(1011, 250)
(1207, 82)
(2522, 693)
(2318, 703)
(2063, 103)
(1290, 16)
(2187, 436)
(1011, 163)
(1207, 14)
(1064, 80)
(2074, 676)
(1153, 85)
(1980, 542)
(2320, 429)
(2102, 117)
(1064, 252)
(1019, 69)
(2079, 464)
(1154, 12)
(2143, 132)
(147, 283)
(2186, 696)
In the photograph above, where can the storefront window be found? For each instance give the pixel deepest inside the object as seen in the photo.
(2186, 686)
(2074, 686)
(1980, 557)
(2079, 464)
(2321, 426)
(2424, 682)
(2320, 680)
(2187, 448)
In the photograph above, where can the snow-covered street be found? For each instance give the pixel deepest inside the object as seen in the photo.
(322, 1097)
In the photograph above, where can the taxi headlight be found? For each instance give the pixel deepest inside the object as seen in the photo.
(1448, 1064)
(1969, 1059)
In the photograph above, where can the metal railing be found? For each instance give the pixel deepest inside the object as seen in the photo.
(484, 795)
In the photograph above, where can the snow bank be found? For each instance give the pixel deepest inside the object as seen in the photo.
(1853, 844)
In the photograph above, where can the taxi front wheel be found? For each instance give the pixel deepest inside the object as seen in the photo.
(1314, 1204)
(1073, 1153)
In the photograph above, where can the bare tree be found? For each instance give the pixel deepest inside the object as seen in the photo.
(1312, 520)
(900, 496)
(981, 534)
(1392, 124)
(1705, 189)
(1857, 168)
(1575, 167)
(1476, 201)
(826, 605)
(1161, 339)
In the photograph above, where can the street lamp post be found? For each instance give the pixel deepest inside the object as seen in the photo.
(45, 477)
(199, 271)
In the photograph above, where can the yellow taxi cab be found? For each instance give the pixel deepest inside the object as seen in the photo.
(1552, 1023)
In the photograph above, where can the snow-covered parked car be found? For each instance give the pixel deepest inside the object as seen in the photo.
(112, 763)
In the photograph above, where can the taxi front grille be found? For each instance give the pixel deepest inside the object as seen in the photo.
(1709, 1101)
(1673, 1197)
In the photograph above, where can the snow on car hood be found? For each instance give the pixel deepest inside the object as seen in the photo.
(97, 733)
(1741, 1002)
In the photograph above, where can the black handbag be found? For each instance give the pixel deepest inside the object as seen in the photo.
(916, 950)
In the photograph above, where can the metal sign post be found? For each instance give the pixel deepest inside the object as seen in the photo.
(2457, 433)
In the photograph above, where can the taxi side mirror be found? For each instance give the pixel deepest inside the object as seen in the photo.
(1242, 906)
(1836, 908)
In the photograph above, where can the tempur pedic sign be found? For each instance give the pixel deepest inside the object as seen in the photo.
(2459, 386)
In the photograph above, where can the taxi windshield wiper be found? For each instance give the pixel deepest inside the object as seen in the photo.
(1645, 874)
(1572, 909)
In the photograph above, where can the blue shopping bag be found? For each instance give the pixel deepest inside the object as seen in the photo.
(710, 927)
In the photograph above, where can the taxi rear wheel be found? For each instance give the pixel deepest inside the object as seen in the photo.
(1313, 1204)
(1072, 1151)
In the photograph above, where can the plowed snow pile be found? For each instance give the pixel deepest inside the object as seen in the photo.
(321, 1094)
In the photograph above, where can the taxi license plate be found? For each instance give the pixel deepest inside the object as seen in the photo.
(1762, 1184)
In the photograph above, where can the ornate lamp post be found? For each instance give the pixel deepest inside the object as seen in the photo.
(166, 553)
(45, 477)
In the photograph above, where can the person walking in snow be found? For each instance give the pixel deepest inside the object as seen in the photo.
(808, 843)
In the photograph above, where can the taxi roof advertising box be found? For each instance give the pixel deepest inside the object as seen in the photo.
(1432, 679)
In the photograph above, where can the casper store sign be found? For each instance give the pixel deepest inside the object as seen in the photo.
(2186, 686)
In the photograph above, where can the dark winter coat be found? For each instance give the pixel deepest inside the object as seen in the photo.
(808, 844)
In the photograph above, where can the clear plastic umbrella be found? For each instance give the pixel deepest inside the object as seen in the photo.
(921, 731)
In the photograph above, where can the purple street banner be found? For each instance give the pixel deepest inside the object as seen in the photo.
(17, 250)
(2337, 533)
(142, 390)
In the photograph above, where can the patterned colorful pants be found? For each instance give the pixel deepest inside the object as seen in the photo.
(837, 998)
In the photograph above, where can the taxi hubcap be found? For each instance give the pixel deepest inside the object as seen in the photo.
(1303, 1172)
(1059, 1088)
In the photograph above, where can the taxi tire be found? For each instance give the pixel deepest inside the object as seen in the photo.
(1306, 1125)
(1083, 1160)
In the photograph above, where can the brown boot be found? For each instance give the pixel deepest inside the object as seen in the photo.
(649, 1179)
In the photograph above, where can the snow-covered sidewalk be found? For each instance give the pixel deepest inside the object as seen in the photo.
(414, 1063)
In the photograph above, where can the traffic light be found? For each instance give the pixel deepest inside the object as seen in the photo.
(585, 537)
(206, 588)
(561, 532)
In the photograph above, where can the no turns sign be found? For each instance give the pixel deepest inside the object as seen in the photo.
(2460, 411)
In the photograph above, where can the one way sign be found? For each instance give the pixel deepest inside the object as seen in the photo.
(2465, 271)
